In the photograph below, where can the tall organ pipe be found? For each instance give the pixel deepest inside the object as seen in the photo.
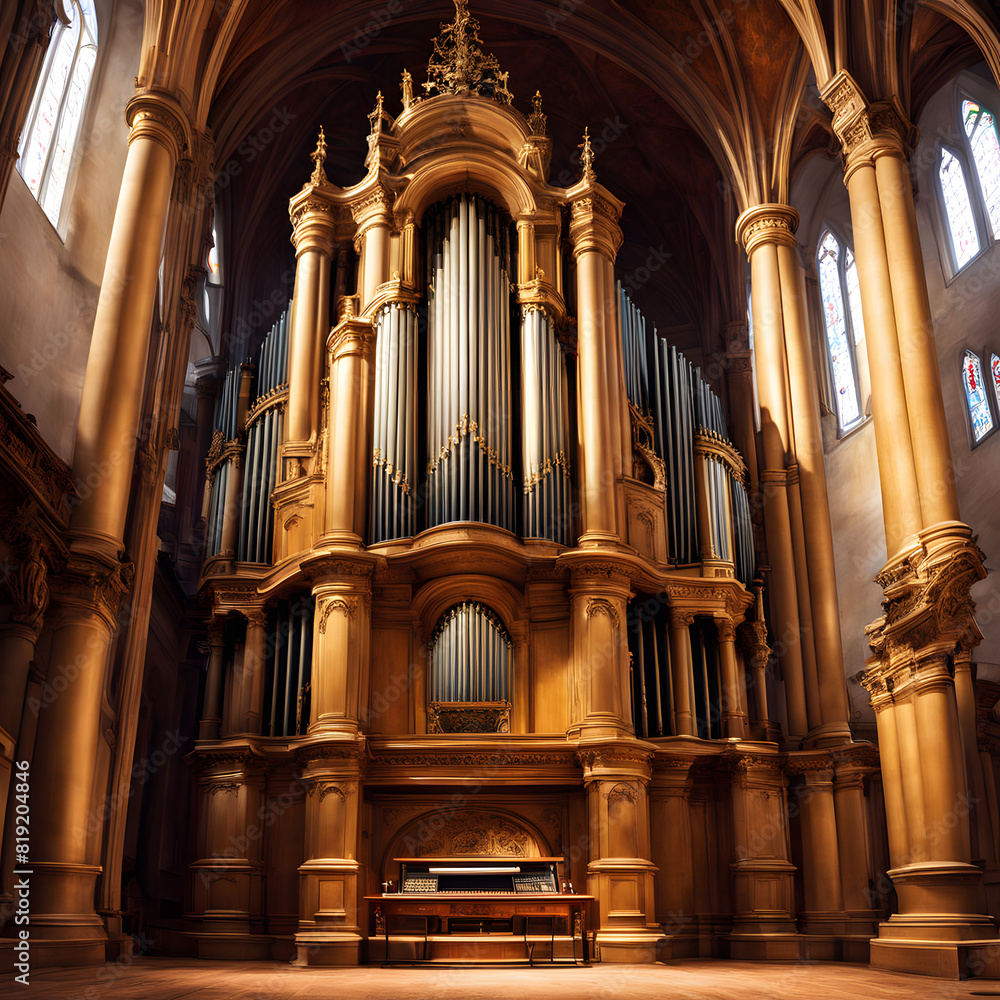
(468, 427)
(394, 444)
(544, 435)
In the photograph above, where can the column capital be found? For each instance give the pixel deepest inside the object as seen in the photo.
(866, 129)
(769, 222)
(594, 222)
(93, 589)
(314, 225)
(156, 115)
(256, 617)
(352, 336)
(929, 615)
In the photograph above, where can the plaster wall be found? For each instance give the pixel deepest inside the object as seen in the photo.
(52, 278)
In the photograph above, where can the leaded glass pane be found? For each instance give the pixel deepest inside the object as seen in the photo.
(61, 155)
(52, 128)
(36, 147)
(854, 296)
(995, 369)
(961, 222)
(975, 396)
(834, 316)
(981, 130)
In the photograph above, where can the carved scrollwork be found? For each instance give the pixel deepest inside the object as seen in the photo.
(348, 606)
(602, 606)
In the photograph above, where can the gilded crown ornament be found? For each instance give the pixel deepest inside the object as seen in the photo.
(458, 66)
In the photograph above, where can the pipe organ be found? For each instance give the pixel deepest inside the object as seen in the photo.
(502, 538)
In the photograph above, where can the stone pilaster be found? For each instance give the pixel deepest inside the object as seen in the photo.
(620, 874)
(761, 876)
(329, 889)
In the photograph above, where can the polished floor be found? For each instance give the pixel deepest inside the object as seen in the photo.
(174, 979)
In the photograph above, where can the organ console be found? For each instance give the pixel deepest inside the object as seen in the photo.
(508, 899)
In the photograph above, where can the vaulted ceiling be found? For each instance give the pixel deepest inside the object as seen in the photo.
(698, 106)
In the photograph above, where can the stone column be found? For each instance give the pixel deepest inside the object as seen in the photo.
(760, 874)
(822, 918)
(615, 776)
(761, 230)
(352, 370)
(211, 716)
(341, 645)
(939, 928)
(227, 880)
(734, 718)
(313, 238)
(90, 593)
(682, 671)
(596, 237)
(329, 898)
(673, 851)
(234, 486)
(601, 691)
(857, 873)
(893, 441)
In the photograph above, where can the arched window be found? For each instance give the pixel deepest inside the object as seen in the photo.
(995, 371)
(982, 134)
(980, 417)
(838, 282)
(53, 125)
(958, 209)
(969, 180)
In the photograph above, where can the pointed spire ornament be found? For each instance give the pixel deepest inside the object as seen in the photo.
(587, 157)
(537, 120)
(319, 158)
(458, 66)
(407, 88)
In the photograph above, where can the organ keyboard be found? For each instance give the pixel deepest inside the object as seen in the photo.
(493, 897)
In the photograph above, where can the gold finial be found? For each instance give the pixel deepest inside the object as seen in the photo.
(377, 115)
(536, 120)
(587, 157)
(407, 87)
(319, 158)
(458, 66)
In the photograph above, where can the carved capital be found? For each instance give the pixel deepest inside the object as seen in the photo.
(157, 116)
(929, 615)
(594, 222)
(352, 337)
(29, 588)
(90, 586)
(726, 629)
(767, 223)
(256, 617)
(866, 130)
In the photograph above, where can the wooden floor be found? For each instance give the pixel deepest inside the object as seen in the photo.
(173, 979)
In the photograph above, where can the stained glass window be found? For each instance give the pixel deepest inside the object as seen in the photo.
(975, 396)
(854, 295)
(830, 260)
(958, 208)
(981, 130)
(52, 128)
(214, 272)
(995, 370)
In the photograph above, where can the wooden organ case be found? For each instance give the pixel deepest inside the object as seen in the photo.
(479, 547)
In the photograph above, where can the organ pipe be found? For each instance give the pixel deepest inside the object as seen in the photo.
(287, 666)
(469, 441)
(470, 656)
(544, 433)
(394, 437)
